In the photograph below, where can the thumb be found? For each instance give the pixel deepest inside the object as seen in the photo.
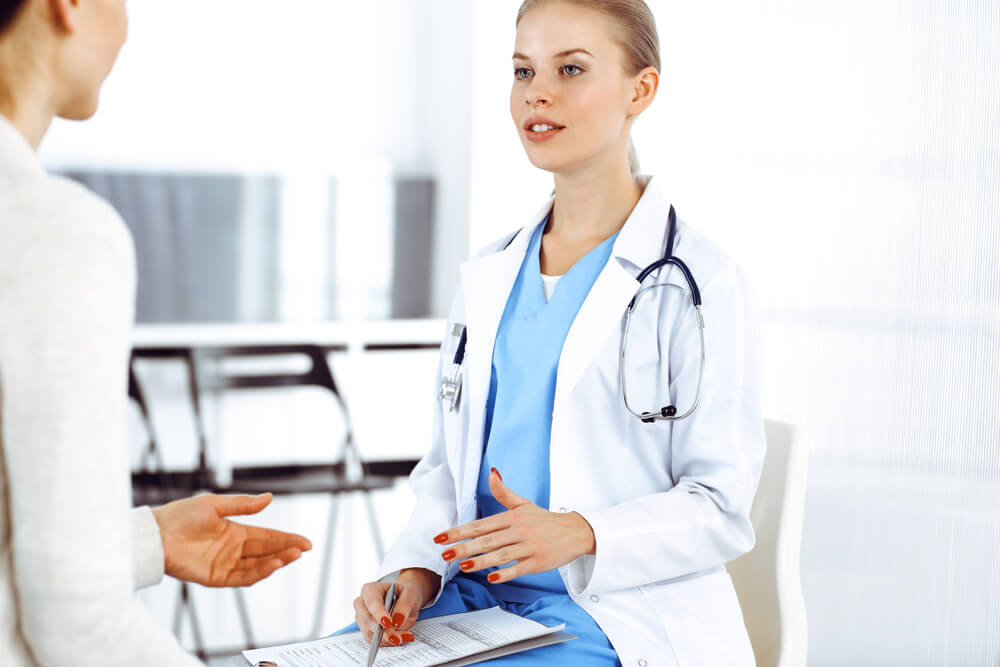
(240, 505)
(504, 496)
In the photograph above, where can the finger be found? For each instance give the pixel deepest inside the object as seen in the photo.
(407, 608)
(250, 576)
(480, 545)
(497, 558)
(285, 557)
(505, 496)
(263, 541)
(364, 620)
(513, 572)
(374, 598)
(474, 529)
(240, 505)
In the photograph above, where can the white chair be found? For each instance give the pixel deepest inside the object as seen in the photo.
(767, 578)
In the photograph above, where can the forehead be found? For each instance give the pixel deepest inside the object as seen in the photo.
(556, 27)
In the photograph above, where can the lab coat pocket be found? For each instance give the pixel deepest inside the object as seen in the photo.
(703, 621)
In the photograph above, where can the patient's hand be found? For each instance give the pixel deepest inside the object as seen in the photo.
(202, 546)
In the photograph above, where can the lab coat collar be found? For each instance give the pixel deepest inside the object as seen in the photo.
(17, 158)
(643, 238)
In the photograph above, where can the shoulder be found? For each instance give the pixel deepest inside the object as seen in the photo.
(499, 244)
(64, 216)
(710, 265)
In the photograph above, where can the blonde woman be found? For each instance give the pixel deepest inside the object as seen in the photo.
(71, 551)
(615, 518)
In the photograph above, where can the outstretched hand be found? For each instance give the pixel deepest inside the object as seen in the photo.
(534, 539)
(202, 546)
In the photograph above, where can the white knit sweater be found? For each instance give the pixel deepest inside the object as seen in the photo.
(71, 550)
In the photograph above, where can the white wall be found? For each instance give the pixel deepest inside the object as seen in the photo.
(846, 154)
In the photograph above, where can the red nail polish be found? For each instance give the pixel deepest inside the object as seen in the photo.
(493, 578)
(466, 565)
(441, 539)
(498, 473)
(408, 637)
(397, 620)
(449, 554)
(395, 641)
(385, 622)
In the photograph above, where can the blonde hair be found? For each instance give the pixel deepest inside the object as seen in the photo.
(637, 36)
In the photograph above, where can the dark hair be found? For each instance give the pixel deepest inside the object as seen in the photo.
(8, 10)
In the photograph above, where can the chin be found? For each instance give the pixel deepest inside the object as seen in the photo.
(548, 161)
(79, 109)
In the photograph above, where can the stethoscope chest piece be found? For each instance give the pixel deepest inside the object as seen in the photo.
(451, 387)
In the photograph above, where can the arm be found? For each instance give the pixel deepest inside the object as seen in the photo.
(64, 374)
(716, 457)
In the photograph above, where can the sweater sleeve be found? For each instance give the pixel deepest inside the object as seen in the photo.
(64, 353)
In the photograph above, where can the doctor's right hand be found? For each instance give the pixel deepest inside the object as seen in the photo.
(415, 587)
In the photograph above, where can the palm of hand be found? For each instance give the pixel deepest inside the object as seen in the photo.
(202, 546)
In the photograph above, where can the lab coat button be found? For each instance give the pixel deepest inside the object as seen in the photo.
(562, 509)
(642, 663)
(595, 598)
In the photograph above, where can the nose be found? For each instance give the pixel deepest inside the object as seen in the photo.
(537, 94)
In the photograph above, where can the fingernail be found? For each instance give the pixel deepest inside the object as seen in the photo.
(395, 641)
(494, 577)
(397, 620)
(449, 554)
(407, 637)
(385, 622)
(466, 565)
(442, 538)
(497, 472)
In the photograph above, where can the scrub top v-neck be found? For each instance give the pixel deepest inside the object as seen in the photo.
(522, 392)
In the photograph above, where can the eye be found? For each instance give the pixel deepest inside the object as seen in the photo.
(522, 73)
(571, 70)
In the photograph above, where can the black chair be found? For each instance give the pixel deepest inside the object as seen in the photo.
(346, 471)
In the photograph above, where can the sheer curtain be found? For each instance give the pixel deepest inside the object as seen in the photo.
(846, 154)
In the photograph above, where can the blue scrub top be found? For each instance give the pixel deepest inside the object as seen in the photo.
(522, 393)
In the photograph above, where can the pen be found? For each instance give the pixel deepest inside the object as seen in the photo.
(390, 604)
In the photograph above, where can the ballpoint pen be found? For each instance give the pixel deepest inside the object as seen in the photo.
(390, 604)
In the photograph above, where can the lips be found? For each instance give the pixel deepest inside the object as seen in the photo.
(538, 129)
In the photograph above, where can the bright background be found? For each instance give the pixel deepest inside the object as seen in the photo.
(846, 154)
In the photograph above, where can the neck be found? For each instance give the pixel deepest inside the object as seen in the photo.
(29, 116)
(594, 202)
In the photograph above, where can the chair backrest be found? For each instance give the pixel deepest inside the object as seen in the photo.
(767, 578)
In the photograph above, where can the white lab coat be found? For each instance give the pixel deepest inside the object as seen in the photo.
(669, 504)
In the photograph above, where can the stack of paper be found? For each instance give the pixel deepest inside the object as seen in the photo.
(448, 641)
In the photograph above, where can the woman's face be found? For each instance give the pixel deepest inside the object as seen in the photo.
(100, 31)
(571, 94)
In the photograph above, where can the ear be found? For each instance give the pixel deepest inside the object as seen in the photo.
(644, 87)
(65, 14)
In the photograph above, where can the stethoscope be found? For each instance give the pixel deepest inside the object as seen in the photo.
(451, 387)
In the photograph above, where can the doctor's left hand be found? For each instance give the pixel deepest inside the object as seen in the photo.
(539, 540)
(202, 546)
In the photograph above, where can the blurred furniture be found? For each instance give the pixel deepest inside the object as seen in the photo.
(346, 472)
(767, 578)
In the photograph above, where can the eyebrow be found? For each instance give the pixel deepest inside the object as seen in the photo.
(561, 54)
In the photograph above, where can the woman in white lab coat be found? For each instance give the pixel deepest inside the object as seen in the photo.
(541, 492)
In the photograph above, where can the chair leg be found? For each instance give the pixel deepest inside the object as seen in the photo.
(325, 565)
(373, 522)
(184, 601)
(241, 607)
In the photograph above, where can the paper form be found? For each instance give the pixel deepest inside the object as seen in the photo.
(437, 641)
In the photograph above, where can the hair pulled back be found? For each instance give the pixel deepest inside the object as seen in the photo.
(9, 10)
(637, 36)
